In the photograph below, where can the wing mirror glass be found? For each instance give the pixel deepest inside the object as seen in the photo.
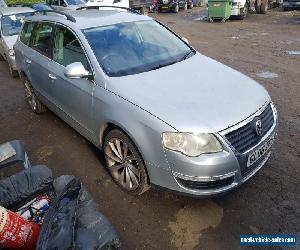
(185, 40)
(76, 71)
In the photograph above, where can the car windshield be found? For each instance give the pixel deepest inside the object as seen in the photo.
(136, 47)
(2, 4)
(11, 24)
(75, 2)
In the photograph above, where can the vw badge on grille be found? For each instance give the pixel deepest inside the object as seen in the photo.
(258, 127)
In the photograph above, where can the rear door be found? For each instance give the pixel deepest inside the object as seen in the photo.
(39, 60)
(72, 96)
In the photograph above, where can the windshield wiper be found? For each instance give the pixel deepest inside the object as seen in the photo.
(162, 65)
(186, 56)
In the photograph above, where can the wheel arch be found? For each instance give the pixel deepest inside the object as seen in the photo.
(109, 126)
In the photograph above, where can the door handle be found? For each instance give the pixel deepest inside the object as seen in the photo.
(28, 61)
(52, 77)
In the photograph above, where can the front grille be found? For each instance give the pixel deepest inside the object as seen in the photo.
(246, 137)
(206, 184)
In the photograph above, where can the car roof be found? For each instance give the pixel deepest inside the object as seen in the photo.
(85, 19)
(15, 10)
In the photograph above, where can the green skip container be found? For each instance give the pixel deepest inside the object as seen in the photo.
(219, 10)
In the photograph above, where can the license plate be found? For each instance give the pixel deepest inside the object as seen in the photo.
(165, 7)
(258, 153)
(217, 5)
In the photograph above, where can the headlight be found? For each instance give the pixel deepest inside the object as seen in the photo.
(191, 144)
(11, 52)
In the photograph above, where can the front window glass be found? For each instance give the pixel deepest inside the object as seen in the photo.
(12, 24)
(67, 49)
(75, 2)
(135, 47)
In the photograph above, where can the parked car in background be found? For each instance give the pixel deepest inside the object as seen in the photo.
(174, 5)
(290, 5)
(134, 89)
(2, 4)
(142, 6)
(65, 5)
(12, 19)
(240, 8)
(35, 6)
(40, 6)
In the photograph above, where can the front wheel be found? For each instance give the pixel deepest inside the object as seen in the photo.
(263, 8)
(176, 9)
(185, 7)
(125, 163)
(244, 12)
(13, 72)
(31, 98)
(191, 5)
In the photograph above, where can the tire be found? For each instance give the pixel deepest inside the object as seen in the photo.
(191, 5)
(257, 9)
(2, 58)
(125, 163)
(263, 8)
(31, 98)
(285, 9)
(244, 13)
(176, 9)
(13, 72)
(185, 7)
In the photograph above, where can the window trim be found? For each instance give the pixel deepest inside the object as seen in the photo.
(55, 26)
(81, 44)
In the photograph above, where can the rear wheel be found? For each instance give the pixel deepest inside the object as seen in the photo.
(125, 163)
(31, 98)
(1, 58)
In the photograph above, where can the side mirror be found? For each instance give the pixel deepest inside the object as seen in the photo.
(185, 40)
(76, 71)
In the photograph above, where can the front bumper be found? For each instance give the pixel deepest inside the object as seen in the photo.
(213, 174)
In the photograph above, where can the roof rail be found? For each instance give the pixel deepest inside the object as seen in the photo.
(106, 6)
(68, 16)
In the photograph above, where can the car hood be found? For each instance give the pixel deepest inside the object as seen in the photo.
(10, 41)
(195, 95)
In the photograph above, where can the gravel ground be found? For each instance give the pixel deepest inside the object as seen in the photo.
(265, 47)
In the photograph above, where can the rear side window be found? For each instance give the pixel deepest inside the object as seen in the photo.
(42, 38)
(26, 33)
(67, 49)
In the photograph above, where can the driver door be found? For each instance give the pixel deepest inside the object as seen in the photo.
(72, 97)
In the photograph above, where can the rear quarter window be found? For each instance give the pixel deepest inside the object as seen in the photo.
(27, 32)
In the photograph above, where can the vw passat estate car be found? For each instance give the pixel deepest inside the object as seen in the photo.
(163, 113)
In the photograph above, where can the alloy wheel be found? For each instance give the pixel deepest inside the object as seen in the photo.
(30, 96)
(122, 164)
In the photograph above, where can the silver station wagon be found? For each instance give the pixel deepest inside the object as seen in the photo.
(11, 20)
(163, 114)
